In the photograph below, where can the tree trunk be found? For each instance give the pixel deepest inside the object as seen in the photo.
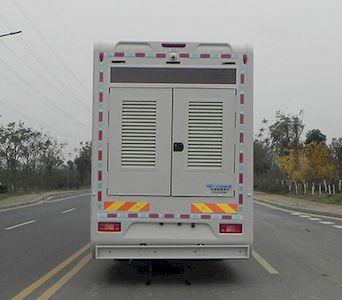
(296, 187)
(325, 185)
(313, 188)
(340, 185)
(334, 189)
(320, 189)
(304, 186)
(329, 189)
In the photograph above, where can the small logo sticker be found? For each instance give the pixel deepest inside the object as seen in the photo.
(219, 188)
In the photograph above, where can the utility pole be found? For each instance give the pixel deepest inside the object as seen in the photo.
(9, 33)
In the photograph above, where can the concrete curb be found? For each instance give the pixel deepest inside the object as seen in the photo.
(299, 209)
(40, 199)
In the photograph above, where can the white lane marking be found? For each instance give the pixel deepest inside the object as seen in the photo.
(264, 263)
(315, 219)
(304, 216)
(295, 213)
(19, 225)
(326, 222)
(68, 210)
(291, 211)
(338, 226)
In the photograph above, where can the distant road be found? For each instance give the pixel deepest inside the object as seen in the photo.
(45, 253)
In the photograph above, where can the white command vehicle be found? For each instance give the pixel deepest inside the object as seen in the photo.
(172, 168)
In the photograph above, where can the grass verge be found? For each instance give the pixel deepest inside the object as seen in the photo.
(324, 198)
(7, 195)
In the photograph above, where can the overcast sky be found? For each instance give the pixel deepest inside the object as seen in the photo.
(46, 72)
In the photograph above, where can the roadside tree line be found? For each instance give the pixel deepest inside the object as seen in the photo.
(285, 161)
(33, 160)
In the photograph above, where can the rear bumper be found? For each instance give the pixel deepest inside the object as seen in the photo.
(172, 252)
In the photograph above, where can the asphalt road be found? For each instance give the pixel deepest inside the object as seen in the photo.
(297, 256)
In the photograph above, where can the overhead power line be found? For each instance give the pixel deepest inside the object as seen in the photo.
(27, 116)
(45, 66)
(47, 43)
(41, 97)
(9, 33)
(45, 79)
(38, 59)
(39, 123)
(68, 92)
(67, 29)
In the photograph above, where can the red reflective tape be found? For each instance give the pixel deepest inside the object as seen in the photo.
(241, 158)
(153, 216)
(106, 204)
(112, 215)
(226, 55)
(241, 137)
(101, 56)
(100, 155)
(242, 99)
(244, 58)
(242, 79)
(234, 206)
(240, 199)
(99, 175)
(146, 207)
(242, 119)
(101, 76)
(205, 216)
(184, 216)
(100, 135)
(100, 116)
(99, 196)
(169, 216)
(204, 55)
(126, 206)
(240, 178)
(119, 54)
(225, 217)
(215, 208)
(139, 54)
(160, 55)
(184, 55)
(101, 96)
(132, 215)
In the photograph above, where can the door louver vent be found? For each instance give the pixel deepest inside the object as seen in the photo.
(138, 133)
(205, 131)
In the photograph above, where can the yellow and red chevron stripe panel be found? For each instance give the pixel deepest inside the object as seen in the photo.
(214, 208)
(126, 206)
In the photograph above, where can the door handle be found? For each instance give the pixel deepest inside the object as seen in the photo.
(178, 147)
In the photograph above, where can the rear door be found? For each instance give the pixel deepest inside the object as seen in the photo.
(204, 142)
(139, 141)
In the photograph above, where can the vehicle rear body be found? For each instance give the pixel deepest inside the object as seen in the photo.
(172, 169)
